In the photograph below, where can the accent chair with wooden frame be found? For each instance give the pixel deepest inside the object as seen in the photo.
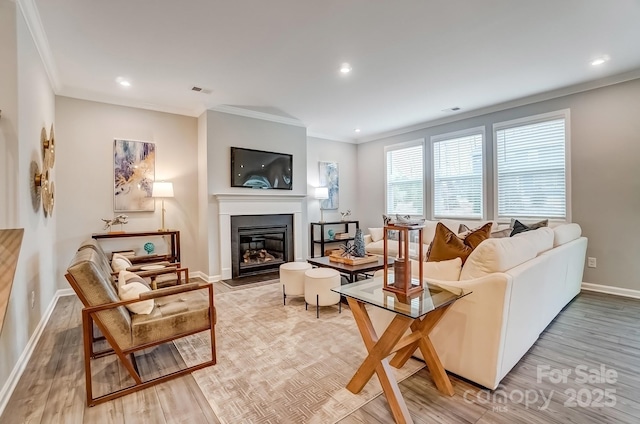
(179, 311)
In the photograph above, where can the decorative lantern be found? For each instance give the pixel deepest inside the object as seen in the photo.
(401, 281)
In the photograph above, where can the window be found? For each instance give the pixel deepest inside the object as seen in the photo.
(458, 174)
(405, 179)
(531, 166)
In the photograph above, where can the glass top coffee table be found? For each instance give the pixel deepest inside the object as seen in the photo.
(420, 313)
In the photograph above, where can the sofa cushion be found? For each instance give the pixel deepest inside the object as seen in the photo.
(119, 262)
(565, 233)
(131, 286)
(519, 227)
(444, 270)
(447, 245)
(376, 234)
(497, 255)
(542, 238)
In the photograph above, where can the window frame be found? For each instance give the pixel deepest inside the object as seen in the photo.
(401, 146)
(528, 120)
(481, 130)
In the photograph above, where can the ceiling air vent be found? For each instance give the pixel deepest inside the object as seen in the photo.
(201, 90)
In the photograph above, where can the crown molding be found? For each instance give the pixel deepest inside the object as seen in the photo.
(120, 101)
(233, 110)
(34, 24)
(330, 137)
(535, 98)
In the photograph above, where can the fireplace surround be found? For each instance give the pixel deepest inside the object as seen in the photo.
(256, 204)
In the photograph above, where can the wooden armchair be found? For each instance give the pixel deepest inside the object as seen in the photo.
(178, 312)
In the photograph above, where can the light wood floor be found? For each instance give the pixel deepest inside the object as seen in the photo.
(594, 330)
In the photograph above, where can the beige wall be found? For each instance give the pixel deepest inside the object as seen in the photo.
(346, 155)
(32, 99)
(605, 176)
(85, 132)
(225, 130)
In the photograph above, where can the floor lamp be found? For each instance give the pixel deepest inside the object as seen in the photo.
(322, 193)
(162, 189)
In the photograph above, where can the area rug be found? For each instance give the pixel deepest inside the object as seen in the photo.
(279, 364)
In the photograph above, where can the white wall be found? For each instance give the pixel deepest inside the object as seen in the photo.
(35, 107)
(85, 132)
(605, 176)
(225, 130)
(321, 150)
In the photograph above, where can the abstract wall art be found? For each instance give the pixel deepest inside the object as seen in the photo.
(133, 173)
(330, 178)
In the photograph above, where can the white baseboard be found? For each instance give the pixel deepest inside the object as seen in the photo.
(618, 291)
(18, 369)
(205, 277)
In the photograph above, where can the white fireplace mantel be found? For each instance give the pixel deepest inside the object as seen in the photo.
(231, 204)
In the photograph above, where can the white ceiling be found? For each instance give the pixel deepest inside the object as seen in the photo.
(411, 58)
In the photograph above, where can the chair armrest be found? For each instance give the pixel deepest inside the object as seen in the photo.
(152, 295)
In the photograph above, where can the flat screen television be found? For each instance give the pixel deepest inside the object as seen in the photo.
(260, 169)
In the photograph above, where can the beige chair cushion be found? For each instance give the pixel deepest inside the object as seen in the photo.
(172, 315)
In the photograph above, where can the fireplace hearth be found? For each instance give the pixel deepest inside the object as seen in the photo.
(260, 243)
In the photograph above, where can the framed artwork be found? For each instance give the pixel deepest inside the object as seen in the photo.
(330, 178)
(134, 164)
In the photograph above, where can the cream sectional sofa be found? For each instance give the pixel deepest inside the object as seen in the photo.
(519, 285)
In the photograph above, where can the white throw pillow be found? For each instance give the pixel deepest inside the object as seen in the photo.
(376, 234)
(130, 286)
(119, 262)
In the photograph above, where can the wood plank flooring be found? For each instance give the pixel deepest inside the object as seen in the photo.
(594, 330)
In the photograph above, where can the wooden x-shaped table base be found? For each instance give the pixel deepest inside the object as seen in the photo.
(392, 341)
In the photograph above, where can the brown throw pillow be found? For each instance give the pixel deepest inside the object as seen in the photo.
(447, 245)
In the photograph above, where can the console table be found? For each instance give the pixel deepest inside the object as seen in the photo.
(174, 245)
(322, 241)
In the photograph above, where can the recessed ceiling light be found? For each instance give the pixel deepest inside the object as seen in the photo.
(599, 61)
(123, 82)
(357, 130)
(345, 68)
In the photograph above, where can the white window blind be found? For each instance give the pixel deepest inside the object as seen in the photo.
(530, 163)
(458, 176)
(405, 180)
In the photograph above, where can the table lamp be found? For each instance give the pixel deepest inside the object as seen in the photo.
(162, 189)
(322, 193)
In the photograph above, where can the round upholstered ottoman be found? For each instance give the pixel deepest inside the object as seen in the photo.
(318, 283)
(292, 279)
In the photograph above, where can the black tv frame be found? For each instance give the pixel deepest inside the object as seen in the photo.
(277, 155)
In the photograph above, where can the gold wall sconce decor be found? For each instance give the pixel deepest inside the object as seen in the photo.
(41, 184)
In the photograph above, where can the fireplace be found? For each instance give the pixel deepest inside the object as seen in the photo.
(260, 243)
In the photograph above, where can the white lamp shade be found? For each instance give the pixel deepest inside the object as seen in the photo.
(162, 189)
(322, 193)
